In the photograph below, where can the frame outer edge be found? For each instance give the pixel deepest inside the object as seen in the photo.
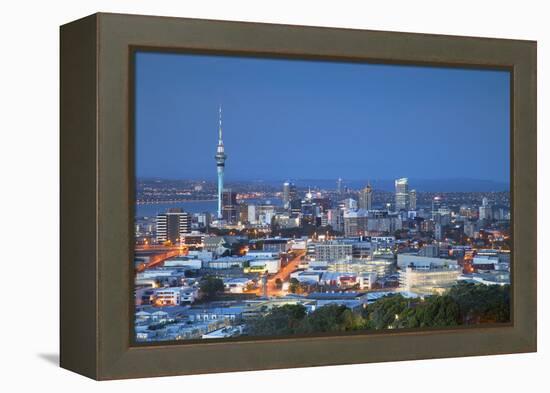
(525, 187)
(118, 359)
(78, 193)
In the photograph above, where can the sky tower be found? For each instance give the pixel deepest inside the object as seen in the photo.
(220, 164)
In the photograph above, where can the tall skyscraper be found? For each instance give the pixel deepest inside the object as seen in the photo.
(308, 210)
(402, 194)
(412, 200)
(485, 210)
(365, 198)
(229, 206)
(289, 193)
(437, 204)
(172, 226)
(220, 165)
(339, 185)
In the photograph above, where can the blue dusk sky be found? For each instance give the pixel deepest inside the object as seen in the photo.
(295, 119)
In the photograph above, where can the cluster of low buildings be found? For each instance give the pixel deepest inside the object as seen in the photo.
(407, 246)
(230, 318)
(349, 271)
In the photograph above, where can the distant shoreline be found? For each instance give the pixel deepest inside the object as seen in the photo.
(159, 202)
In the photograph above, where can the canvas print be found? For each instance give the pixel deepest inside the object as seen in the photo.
(288, 197)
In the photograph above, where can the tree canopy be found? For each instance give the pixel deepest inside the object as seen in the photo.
(210, 286)
(463, 304)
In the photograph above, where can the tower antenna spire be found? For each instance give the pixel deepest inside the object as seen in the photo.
(220, 126)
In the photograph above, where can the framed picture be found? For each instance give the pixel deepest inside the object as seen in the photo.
(241, 196)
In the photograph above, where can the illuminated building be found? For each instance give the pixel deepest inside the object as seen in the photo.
(412, 200)
(275, 245)
(309, 210)
(236, 284)
(487, 278)
(355, 222)
(365, 198)
(469, 228)
(265, 214)
(172, 226)
(324, 204)
(381, 221)
(203, 219)
(348, 203)
(295, 207)
(429, 250)
(229, 206)
(252, 214)
(332, 251)
(381, 268)
(335, 218)
(289, 193)
(402, 194)
(426, 281)
(382, 242)
(220, 165)
(174, 296)
(438, 231)
(437, 205)
(375, 222)
(195, 239)
(485, 210)
(405, 260)
(242, 212)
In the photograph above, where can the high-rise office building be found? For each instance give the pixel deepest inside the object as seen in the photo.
(437, 204)
(402, 194)
(355, 222)
(348, 204)
(412, 200)
(339, 185)
(323, 203)
(333, 251)
(220, 164)
(365, 198)
(252, 214)
(289, 193)
(485, 210)
(230, 208)
(242, 212)
(295, 207)
(265, 214)
(308, 212)
(335, 218)
(469, 228)
(172, 226)
(203, 219)
(438, 231)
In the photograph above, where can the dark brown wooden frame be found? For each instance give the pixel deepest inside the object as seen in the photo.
(97, 183)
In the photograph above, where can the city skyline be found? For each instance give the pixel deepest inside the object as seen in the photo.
(218, 259)
(180, 118)
(422, 185)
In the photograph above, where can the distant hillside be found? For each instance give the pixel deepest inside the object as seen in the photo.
(421, 185)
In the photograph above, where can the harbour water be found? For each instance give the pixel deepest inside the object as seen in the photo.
(152, 209)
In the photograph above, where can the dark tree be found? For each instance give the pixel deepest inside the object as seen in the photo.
(282, 320)
(294, 285)
(436, 311)
(210, 286)
(385, 312)
(482, 303)
(331, 318)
